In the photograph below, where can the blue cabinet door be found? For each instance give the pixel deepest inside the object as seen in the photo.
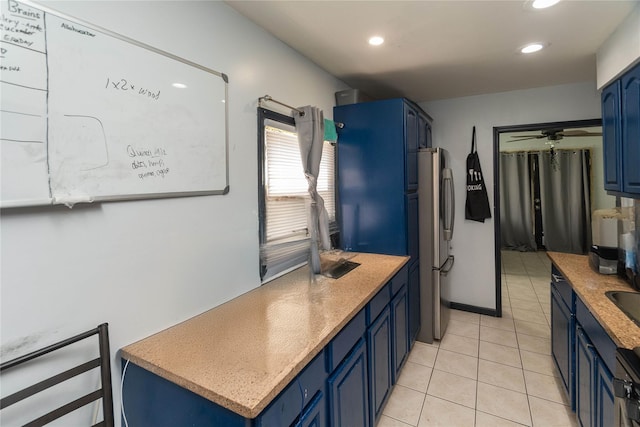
(423, 129)
(400, 327)
(411, 144)
(413, 238)
(611, 137)
(630, 100)
(348, 390)
(604, 403)
(372, 177)
(379, 360)
(585, 376)
(414, 302)
(315, 413)
(562, 348)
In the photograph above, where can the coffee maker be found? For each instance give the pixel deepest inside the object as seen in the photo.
(629, 241)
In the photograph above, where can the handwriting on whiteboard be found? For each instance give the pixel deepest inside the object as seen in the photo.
(148, 162)
(126, 86)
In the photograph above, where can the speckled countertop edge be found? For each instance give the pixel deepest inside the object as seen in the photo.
(591, 287)
(243, 353)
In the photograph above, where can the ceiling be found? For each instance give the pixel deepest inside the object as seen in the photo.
(443, 49)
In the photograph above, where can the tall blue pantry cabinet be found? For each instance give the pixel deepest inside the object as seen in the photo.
(378, 183)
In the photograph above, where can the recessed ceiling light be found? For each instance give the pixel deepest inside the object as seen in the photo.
(541, 4)
(376, 41)
(532, 47)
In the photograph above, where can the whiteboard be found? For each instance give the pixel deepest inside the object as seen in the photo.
(89, 115)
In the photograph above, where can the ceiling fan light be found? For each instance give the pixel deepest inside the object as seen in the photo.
(376, 41)
(532, 47)
(541, 4)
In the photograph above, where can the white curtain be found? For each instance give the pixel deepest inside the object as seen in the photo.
(310, 128)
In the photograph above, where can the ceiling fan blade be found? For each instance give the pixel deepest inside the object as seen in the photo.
(526, 137)
(584, 136)
(580, 133)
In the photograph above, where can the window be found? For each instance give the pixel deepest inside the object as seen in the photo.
(284, 199)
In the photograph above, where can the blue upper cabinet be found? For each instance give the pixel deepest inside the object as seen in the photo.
(611, 136)
(424, 132)
(411, 142)
(630, 89)
(621, 134)
(377, 170)
(372, 177)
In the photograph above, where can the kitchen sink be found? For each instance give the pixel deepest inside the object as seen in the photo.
(628, 302)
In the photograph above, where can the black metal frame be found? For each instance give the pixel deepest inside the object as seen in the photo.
(104, 392)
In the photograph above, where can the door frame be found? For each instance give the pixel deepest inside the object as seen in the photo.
(497, 130)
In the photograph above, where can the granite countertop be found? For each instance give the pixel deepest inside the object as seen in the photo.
(243, 353)
(591, 287)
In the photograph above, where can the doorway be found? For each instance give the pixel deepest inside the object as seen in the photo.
(536, 161)
(545, 197)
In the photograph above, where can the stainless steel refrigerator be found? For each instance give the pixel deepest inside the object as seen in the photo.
(437, 210)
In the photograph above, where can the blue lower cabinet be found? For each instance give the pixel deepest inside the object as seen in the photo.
(585, 369)
(562, 342)
(288, 405)
(380, 367)
(594, 384)
(400, 326)
(604, 396)
(348, 390)
(413, 293)
(584, 354)
(315, 414)
(152, 401)
(346, 385)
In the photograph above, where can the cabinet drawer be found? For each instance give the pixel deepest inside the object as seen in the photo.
(378, 303)
(564, 289)
(286, 407)
(399, 280)
(603, 344)
(342, 344)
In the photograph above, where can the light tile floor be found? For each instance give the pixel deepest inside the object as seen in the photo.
(488, 371)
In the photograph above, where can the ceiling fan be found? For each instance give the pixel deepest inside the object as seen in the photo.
(555, 135)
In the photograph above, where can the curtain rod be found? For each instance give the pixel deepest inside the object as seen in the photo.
(270, 99)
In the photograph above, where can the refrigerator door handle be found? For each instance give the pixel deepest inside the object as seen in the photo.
(448, 205)
(443, 269)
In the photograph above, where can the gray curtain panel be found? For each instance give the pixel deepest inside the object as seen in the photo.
(310, 128)
(516, 208)
(565, 194)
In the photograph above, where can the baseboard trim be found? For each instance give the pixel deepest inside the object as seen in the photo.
(475, 309)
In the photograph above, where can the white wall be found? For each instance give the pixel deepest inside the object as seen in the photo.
(620, 50)
(143, 266)
(473, 277)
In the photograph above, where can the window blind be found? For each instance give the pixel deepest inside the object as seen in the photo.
(286, 241)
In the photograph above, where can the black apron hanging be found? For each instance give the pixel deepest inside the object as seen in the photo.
(477, 205)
